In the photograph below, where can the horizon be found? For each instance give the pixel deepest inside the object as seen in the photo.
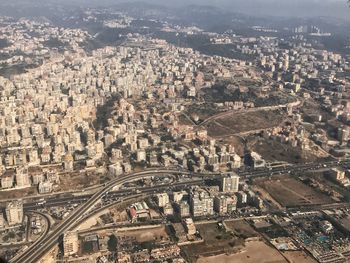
(275, 8)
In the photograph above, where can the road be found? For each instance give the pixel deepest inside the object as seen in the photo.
(35, 252)
(38, 250)
(81, 197)
(231, 112)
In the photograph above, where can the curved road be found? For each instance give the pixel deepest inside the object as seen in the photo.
(267, 108)
(35, 252)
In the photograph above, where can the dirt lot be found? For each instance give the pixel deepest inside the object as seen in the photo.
(255, 251)
(203, 111)
(241, 228)
(288, 191)
(274, 151)
(236, 142)
(244, 122)
(298, 257)
(146, 235)
(76, 180)
(119, 216)
(216, 241)
(18, 193)
(217, 130)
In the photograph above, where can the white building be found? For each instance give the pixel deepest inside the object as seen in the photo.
(14, 213)
(230, 183)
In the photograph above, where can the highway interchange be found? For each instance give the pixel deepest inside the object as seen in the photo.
(88, 202)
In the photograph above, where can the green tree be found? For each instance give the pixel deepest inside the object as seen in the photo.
(112, 243)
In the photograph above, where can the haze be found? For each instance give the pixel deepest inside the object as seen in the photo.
(293, 8)
(284, 8)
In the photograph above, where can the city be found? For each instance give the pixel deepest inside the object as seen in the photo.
(143, 132)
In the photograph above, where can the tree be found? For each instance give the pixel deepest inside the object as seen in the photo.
(112, 243)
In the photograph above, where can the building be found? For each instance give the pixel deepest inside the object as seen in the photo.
(162, 199)
(14, 213)
(168, 209)
(2, 221)
(115, 169)
(22, 177)
(70, 243)
(178, 196)
(68, 162)
(202, 203)
(242, 198)
(45, 187)
(230, 183)
(183, 209)
(336, 174)
(255, 160)
(189, 226)
(7, 181)
(220, 204)
(344, 134)
(141, 156)
(224, 204)
(231, 203)
(326, 226)
(139, 210)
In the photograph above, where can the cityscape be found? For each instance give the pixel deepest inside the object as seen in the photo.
(147, 132)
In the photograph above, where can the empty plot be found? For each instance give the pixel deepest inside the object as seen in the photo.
(288, 191)
(255, 251)
(235, 123)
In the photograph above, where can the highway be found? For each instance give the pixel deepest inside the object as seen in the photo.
(36, 251)
(71, 198)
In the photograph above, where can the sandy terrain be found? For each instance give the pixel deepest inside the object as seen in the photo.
(298, 257)
(288, 192)
(151, 234)
(254, 252)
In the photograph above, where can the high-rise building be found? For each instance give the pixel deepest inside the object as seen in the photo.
(162, 199)
(2, 221)
(68, 162)
(220, 204)
(183, 209)
(141, 156)
(241, 198)
(202, 203)
(230, 183)
(7, 181)
(14, 212)
(22, 177)
(344, 134)
(45, 187)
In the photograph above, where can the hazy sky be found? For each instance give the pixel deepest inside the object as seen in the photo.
(336, 8)
(300, 8)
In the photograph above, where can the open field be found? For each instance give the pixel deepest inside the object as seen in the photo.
(241, 122)
(288, 191)
(236, 142)
(298, 257)
(76, 181)
(216, 241)
(254, 252)
(145, 235)
(203, 111)
(18, 193)
(274, 151)
(241, 228)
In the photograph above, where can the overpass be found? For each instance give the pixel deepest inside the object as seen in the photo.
(36, 251)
